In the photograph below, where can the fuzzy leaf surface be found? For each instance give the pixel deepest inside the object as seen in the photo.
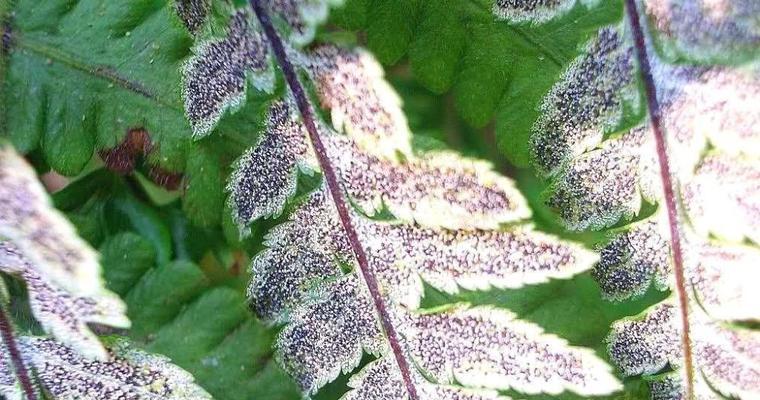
(317, 272)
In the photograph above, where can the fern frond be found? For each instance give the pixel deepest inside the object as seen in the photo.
(8, 382)
(301, 17)
(727, 357)
(379, 380)
(438, 189)
(486, 347)
(62, 277)
(472, 260)
(605, 172)
(344, 284)
(216, 77)
(706, 31)
(265, 176)
(587, 103)
(725, 188)
(42, 233)
(126, 373)
(61, 271)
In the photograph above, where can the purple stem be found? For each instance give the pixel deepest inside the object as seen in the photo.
(6, 331)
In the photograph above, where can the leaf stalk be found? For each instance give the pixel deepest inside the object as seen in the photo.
(6, 331)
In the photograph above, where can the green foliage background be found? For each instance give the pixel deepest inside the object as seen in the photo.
(76, 76)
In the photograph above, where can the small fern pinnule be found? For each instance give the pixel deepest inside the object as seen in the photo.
(345, 273)
(696, 159)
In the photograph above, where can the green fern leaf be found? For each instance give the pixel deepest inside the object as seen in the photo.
(72, 93)
(194, 315)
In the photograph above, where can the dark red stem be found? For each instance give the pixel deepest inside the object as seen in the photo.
(6, 331)
(336, 192)
(669, 189)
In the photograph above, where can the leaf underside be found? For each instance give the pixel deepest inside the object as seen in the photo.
(65, 291)
(447, 231)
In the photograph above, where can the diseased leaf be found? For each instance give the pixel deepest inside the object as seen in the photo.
(350, 84)
(328, 335)
(10, 384)
(60, 270)
(445, 189)
(318, 270)
(600, 180)
(485, 347)
(215, 79)
(265, 176)
(472, 260)
(634, 259)
(73, 364)
(299, 253)
(725, 188)
(193, 13)
(379, 380)
(193, 313)
(586, 104)
(301, 16)
(128, 373)
(40, 232)
(492, 69)
(437, 189)
(534, 11)
(727, 357)
(62, 313)
(706, 31)
(607, 183)
(329, 325)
